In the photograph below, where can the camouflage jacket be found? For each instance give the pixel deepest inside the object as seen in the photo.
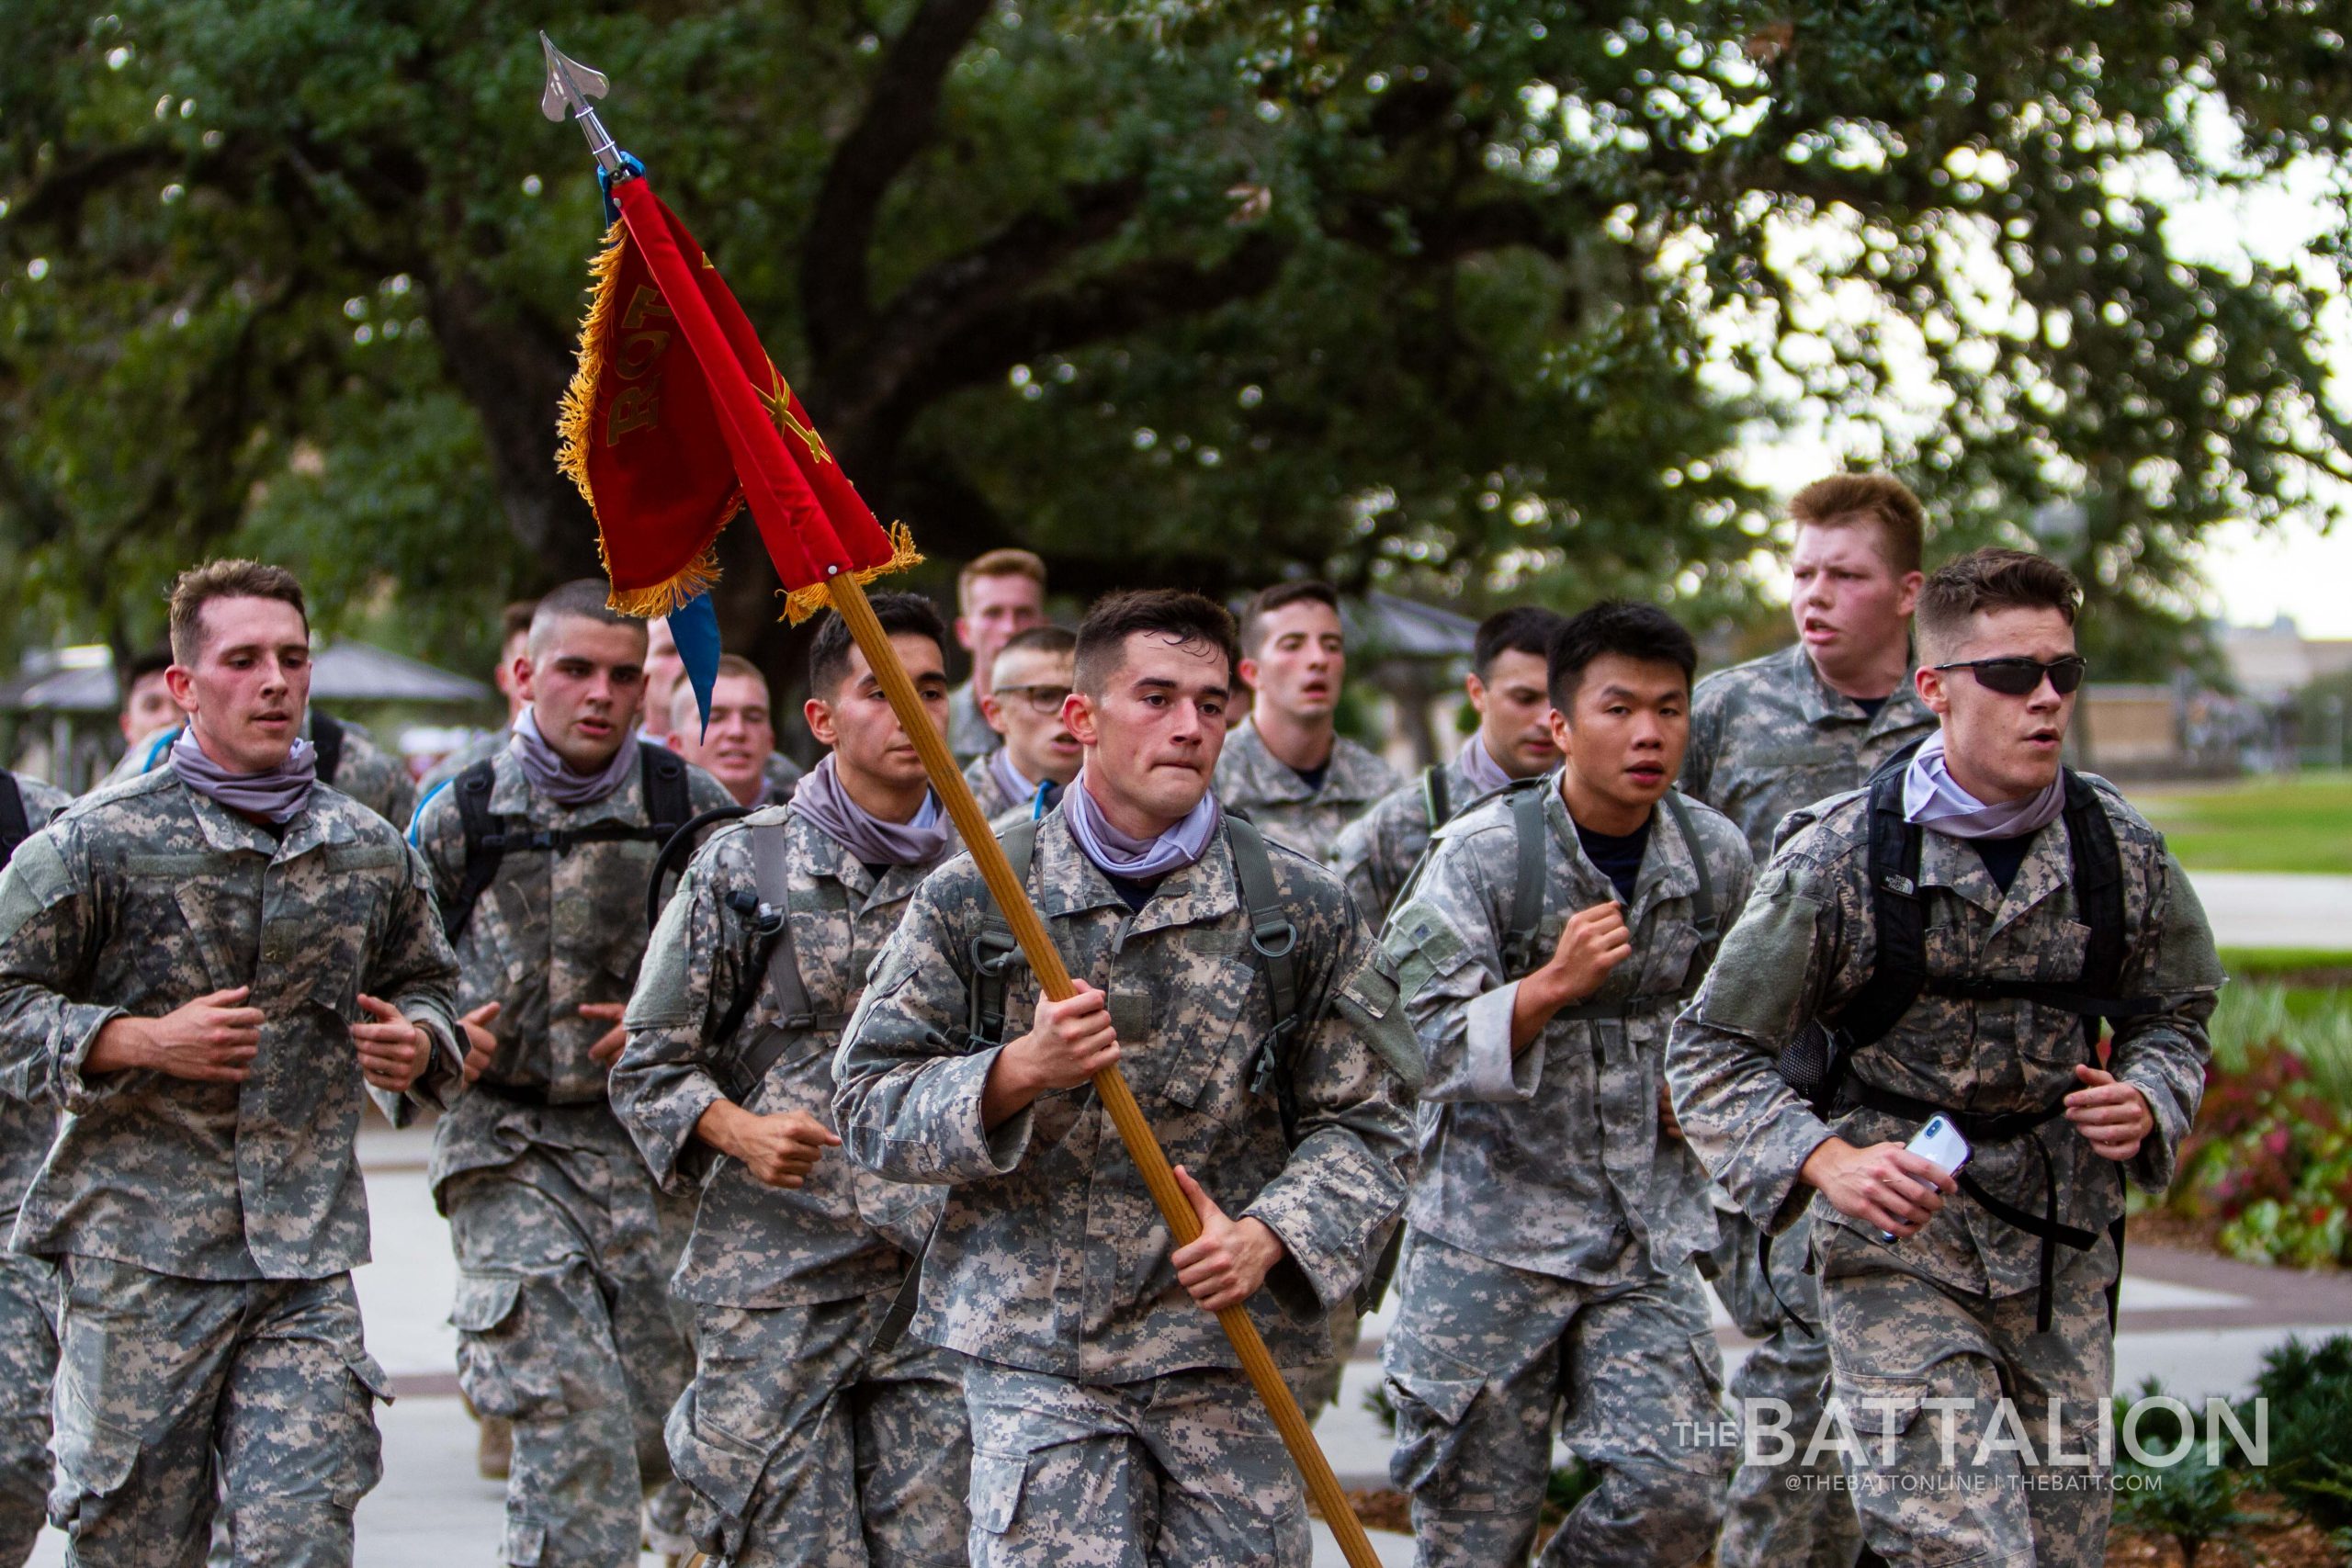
(480, 747)
(782, 776)
(27, 1114)
(1052, 1256)
(969, 735)
(1552, 1160)
(755, 1245)
(1270, 793)
(994, 801)
(374, 777)
(146, 896)
(1806, 943)
(553, 931)
(1769, 736)
(1377, 851)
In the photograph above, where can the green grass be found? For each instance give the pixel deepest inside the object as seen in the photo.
(2314, 1025)
(2266, 962)
(2300, 823)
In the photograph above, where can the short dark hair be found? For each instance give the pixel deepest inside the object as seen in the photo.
(1881, 500)
(1281, 595)
(154, 661)
(1523, 628)
(901, 615)
(1992, 579)
(515, 620)
(1176, 614)
(1621, 626)
(199, 585)
(582, 599)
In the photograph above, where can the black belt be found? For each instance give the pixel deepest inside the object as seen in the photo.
(536, 1096)
(2002, 1127)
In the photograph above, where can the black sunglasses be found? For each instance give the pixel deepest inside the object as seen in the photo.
(2017, 676)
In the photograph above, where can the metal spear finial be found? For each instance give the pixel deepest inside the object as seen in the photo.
(570, 86)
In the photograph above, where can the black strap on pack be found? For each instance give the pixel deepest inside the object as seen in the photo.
(1519, 955)
(326, 740)
(15, 825)
(489, 838)
(1817, 1060)
(679, 845)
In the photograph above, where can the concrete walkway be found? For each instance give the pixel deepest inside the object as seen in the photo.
(2265, 908)
(2198, 1324)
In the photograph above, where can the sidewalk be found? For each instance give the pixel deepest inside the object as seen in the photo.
(2265, 908)
(2198, 1324)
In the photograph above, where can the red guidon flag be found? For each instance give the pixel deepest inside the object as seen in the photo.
(676, 417)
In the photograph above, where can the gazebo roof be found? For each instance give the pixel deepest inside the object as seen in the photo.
(341, 672)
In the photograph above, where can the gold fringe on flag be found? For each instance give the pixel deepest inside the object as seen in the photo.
(577, 416)
(799, 603)
(666, 598)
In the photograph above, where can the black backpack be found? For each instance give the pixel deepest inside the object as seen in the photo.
(490, 839)
(14, 827)
(1816, 1060)
(326, 740)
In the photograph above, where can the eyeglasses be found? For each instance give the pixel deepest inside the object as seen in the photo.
(1041, 699)
(2017, 676)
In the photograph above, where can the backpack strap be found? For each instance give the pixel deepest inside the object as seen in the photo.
(326, 738)
(667, 800)
(995, 950)
(1435, 807)
(1704, 913)
(777, 964)
(485, 833)
(1527, 888)
(14, 827)
(1273, 937)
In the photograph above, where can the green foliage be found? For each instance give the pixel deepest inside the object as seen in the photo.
(2301, 822)
(2271, 1153)
(2310, 1391)
(1472, 299)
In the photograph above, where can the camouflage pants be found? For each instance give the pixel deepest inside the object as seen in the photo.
(805, 1452)
(1316, 1386)
(1899, 1345)
(176, 1396)
(28, 1363)
(1485, 1359)
(565, 1328)
(1180, 1468)
(1790, 1515)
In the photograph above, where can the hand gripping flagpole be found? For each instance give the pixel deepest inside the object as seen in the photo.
(568, 86)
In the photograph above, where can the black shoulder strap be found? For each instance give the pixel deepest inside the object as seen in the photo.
(485, 833)
(1702, 901)
(326, 738)
(2098, 891)
(1898, 918)
(994, 948)
(1527, 887)
(1435, 807)
(666, 804)
(14, 827)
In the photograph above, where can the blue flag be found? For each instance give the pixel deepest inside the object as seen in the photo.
(694, 625)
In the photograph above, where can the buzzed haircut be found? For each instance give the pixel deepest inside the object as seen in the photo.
(582, 599)
(682, 696)
(154, 661)
(1991, 579)
(1059, 642)
(1640, 632)
(1176, 614)
(515, 620)
(1266, 601)
(998, 563)
(1881, 500)
(1523, 628)
(199, 585)
(901, 615)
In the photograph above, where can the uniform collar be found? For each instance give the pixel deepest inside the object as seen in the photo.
(511, 794)
(1267, 778)
(1068, 882)
(1824, 704)
(228, 833)
(827, 856)
(1955, 864)
(1667, 871)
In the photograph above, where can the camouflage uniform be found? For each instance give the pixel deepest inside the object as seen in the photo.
(994, 801)
(802, 1449)
(1553, 1222)
(481, 748)
(374, 777)
(1767, 737)
(204, 1233)
(1108, 1419)
(1377, 851)
(782, 776)
(1950, 1311)
(563, 1241)
(28, 1287)
(968, 734)
(1272, 795)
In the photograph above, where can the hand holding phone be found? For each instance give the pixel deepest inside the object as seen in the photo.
(1940, 1145)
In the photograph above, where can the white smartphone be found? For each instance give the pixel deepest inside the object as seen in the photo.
(1939, 1144)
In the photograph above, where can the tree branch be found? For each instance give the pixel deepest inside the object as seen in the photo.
(901, 111)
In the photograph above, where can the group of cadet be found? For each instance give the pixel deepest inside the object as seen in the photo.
(793, 1233)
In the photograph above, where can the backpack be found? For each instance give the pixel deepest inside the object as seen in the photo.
(1817, 1059)
(1519, 955)
(489, 838)
(326, 740)
(776, 963)
(15, 825)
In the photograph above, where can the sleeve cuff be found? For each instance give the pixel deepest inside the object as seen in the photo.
(1490, 1070)
(82, 1025)
(1305, 1294)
